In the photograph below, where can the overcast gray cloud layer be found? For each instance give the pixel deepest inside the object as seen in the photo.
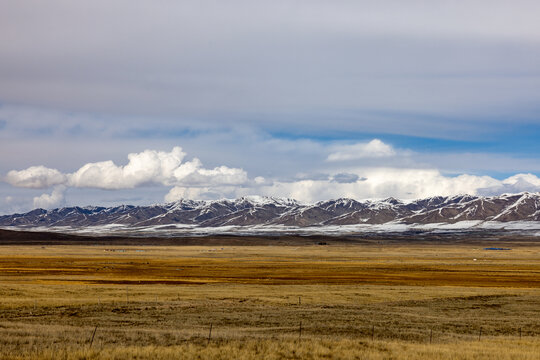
(278, 63)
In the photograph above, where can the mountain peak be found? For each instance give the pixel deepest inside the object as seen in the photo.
(267, 210)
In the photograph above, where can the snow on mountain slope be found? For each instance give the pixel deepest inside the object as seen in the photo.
(270, 212)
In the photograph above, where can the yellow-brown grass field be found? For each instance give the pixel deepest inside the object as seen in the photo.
(362, 301)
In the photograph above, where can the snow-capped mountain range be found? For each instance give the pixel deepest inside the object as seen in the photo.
(269, 211)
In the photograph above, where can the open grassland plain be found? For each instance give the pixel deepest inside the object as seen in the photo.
(360, 301)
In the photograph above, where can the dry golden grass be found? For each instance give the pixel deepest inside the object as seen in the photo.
(399, 265)
(306, 349)
(354, 302)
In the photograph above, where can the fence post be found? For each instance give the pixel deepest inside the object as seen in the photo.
(430, 335)
(93, 334)
(209, 334)
(372, 332)
(480, 334)
(300, 331)
(520, 333)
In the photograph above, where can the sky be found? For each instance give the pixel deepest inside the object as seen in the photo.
(143, 102)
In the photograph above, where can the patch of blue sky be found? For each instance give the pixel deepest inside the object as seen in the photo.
(399, 141)
(509, 139)
(519, 139)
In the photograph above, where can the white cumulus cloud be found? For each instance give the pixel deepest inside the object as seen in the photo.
(367, 183)
(192, 180)
(514, 184)
(193, 173)
(47, 201)
(147, 167)
(207, 193)
(525, 179)
(384, 182)
(373, 149)
(36, 177)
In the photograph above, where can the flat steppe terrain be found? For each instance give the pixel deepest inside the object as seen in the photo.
(363, 300)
